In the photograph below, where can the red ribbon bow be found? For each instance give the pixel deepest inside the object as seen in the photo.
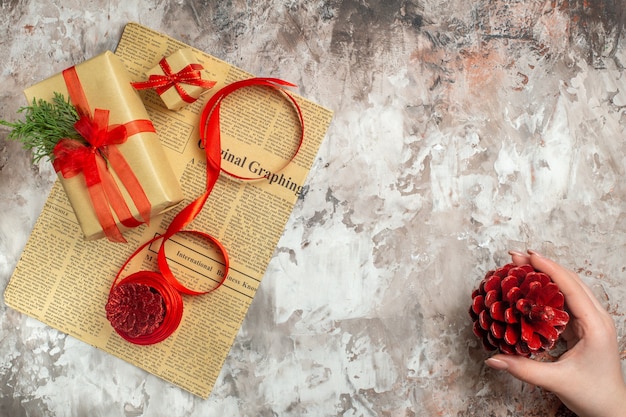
(71, 157)
(188, 75)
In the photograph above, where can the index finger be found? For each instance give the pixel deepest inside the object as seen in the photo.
(579, 298)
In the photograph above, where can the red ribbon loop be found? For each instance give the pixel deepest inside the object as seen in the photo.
(97, 131)
(211, 139)
(188, 75)
(72, 157)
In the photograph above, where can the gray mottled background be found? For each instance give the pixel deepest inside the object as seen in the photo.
(462, 129)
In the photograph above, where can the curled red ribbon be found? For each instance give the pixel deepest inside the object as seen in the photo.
(158, 281)
(188, 75)
(72, 157)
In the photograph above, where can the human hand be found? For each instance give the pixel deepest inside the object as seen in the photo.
(588, 377)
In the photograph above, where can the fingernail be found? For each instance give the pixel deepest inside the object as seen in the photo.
(516, 253)
(497, 364)
(532, 252)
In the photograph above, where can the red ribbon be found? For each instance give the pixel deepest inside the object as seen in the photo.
(71, 157)
(188, 75)
(211, 139)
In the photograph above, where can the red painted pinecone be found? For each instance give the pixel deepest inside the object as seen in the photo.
(518, 310)
(135, 309)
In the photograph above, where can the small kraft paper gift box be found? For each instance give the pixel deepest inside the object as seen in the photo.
(130, 179)
(178, 79)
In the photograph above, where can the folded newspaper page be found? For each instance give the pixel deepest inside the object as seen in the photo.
(64, 281)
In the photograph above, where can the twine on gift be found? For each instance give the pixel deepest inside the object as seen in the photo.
(190, 74)
(71, 157)
(134, 310)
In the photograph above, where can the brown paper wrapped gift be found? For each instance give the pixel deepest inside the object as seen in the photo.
(180, 86)
(106, 84)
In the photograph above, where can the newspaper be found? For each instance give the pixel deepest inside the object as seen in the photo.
(64, 281)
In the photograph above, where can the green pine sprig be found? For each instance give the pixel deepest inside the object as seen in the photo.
(45, 124)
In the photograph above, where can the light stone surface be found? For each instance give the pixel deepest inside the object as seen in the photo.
(462, 129)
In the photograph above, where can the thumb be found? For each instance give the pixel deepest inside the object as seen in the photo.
(543, 374)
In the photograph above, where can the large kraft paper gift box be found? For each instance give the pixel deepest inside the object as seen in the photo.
(107, 85)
